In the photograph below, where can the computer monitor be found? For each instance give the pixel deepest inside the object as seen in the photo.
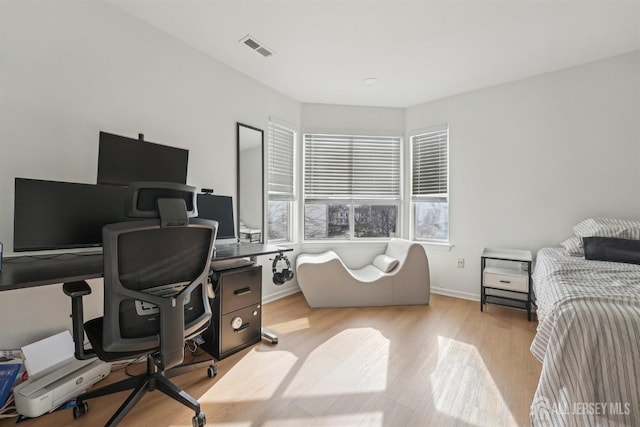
(122, 160)
(219, 208)
(63, 215)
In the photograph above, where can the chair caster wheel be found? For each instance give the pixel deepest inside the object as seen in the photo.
(200, 420)
(212, 371)
(80, 409)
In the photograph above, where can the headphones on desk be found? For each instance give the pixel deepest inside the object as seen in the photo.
(283, 276)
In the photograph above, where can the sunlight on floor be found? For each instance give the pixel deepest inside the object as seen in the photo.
(294, 325)
(353, 361)
(343, 373)
(369, 419)
(479, 399)
(229, 424)
(246, 374)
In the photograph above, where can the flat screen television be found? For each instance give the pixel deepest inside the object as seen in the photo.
(122, 160)
(63, 215)
(219, 208)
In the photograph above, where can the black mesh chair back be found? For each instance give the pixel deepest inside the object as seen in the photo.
(151, 269)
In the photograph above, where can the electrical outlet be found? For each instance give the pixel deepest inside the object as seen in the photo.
(460, 262)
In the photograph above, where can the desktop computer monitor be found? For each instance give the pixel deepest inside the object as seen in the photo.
(122, 160)
(219, 208)
(63, 215)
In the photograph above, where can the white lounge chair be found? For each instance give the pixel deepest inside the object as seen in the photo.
(400, 276)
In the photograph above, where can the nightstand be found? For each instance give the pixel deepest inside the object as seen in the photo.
(507, 281)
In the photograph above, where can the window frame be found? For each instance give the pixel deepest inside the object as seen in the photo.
(273, 196)
(353, 200)
(415, 199)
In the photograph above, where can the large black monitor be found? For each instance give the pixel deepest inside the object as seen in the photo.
(122, 160)
(62, 215)
(219, 208)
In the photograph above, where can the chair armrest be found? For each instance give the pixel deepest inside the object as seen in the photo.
(76, 290)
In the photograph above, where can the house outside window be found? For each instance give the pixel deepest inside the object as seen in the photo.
(281, 196)
(351, 186)
(430, 185)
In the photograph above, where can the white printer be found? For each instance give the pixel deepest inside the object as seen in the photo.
(39, 396)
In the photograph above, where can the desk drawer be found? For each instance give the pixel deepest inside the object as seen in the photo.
(240, 329)
(512, 280)
(240, 288)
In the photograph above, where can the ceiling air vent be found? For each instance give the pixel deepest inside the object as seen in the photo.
(264, 51)
(251, 43)
(257, 46)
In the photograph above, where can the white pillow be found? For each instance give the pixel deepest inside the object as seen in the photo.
(573, 246)
(608, 227)
(385, 263)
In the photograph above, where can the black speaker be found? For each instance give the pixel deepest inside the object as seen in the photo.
(286, 274)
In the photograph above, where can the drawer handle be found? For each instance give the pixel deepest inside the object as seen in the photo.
(505, 281)
(243, 327)
(243, 291)
(237, 324)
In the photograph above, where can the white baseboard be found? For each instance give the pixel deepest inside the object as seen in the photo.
(455, 294)
(280, 294)
(434, 290)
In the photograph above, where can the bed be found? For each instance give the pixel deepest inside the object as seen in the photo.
(588, 341)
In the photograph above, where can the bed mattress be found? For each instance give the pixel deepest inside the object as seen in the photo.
(588, 341)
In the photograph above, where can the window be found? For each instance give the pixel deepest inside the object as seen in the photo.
(430, 185)
(351, 186)
(281, 188)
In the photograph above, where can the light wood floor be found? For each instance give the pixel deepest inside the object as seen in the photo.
(444, 364)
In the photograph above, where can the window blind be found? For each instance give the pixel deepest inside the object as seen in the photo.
(280, 169)
(350, 166)
(430, 154)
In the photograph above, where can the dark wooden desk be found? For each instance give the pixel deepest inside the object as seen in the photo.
(40, 270)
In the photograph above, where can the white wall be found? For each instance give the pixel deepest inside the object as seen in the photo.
(530, 159)
(352, 119)
(72, 68)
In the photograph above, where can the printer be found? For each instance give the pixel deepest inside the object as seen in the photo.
(41, 395)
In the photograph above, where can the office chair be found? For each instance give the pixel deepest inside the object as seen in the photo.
(155, 293)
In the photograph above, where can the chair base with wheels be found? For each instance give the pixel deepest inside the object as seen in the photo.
(152, 379)
(141, 385)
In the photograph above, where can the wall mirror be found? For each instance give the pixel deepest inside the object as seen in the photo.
(250, 186)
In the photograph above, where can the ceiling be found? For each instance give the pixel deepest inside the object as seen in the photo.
(418, 50)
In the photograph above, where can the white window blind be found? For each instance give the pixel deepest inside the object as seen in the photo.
(350, 166)
(281, 155)
(430, 154)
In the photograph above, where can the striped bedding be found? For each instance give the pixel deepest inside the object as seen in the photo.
(588, 341)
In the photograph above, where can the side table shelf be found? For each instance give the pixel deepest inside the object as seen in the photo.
(507, 284)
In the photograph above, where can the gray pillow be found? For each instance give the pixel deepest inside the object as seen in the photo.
(611, 249)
